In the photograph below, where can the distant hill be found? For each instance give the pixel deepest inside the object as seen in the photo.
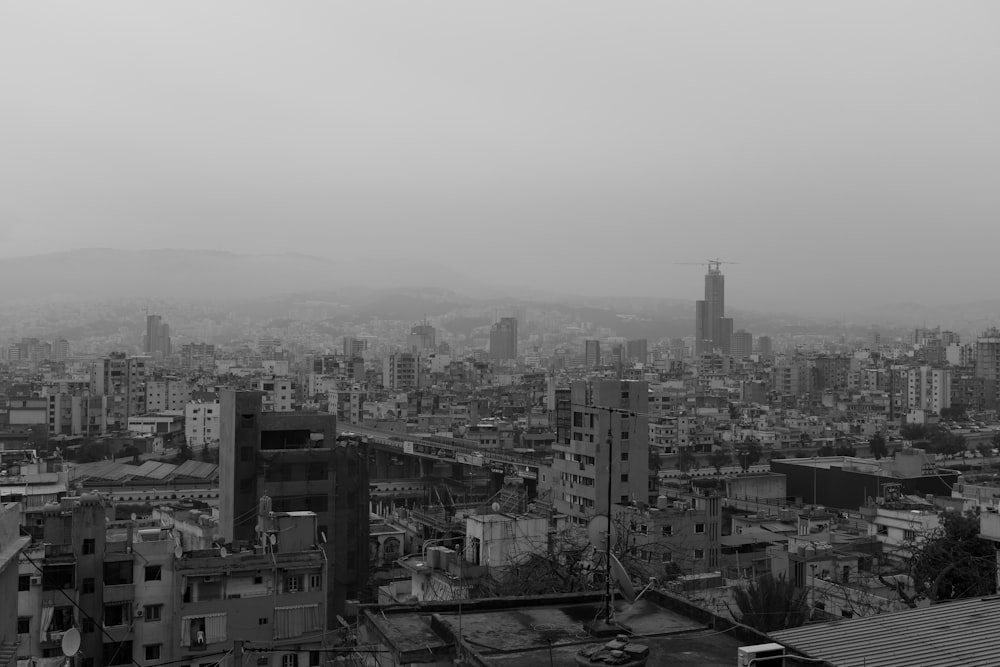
(104, 273)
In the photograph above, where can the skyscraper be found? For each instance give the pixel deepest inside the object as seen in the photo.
(713, 330)
(503, 339)
(157, 337)
(422, 339)
(592, 353)
(742, 345)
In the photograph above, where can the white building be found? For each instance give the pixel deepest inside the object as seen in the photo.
(279, 393)
(168, 394)
(201, 423)
(928, 389)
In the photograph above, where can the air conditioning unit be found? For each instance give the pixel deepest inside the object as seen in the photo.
(139, 612)
(761, 655)
(210, 579)
(36, 581)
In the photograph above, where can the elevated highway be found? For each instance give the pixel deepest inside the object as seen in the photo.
(436, 449)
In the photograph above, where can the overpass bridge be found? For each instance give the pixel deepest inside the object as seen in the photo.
(426, 451)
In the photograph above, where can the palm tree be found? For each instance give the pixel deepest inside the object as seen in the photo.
(771, 603)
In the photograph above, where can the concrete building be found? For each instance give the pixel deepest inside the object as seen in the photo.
(167, 394)
(401, 371)
(12, 543)
(928, 389)
(988, 364)
(601, 409)
(637, 351)
(764, 346)
(201, 423)
(742, 344)
(296, 460)
(122, 379)
(592, 353)
(277, 394)
(422, 339)
(503, 339)
(198, 357)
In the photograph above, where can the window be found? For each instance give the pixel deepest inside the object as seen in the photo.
(117, 613)
(624, 500)
(314, 658)
(257, 580)
(153, 572)
(667, 530)
(153, 651)
(624, 456)
(118, 653)
(87, 625)
(847, 613)
(152, 612)
(89, 546)
(290, 660)
(88, 585)
(909, 535)
(699, 528)
(24, 582)
(117, 573)
(23, 625)
(315, 582)
(262, 620)
(882, 530)
(699, 554)
(293, 584)
(624, 476)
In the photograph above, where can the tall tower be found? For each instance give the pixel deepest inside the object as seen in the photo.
(503, 339)
(713, 329)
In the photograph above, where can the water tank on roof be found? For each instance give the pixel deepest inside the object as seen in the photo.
(662, 502)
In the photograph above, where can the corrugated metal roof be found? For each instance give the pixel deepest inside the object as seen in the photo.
(192, 468)
(960, 634)
(161, 471)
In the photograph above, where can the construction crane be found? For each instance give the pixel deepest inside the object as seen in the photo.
(712, 264)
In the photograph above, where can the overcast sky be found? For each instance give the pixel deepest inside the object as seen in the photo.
(838, 151)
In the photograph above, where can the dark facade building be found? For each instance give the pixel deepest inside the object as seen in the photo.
(844, 482)
(297, 461)
(503, 339)
(157, 337)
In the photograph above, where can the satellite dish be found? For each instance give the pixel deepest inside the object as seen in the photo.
(133, 516)
(223, 552)
(178, 552)
(620, 577)
(597, 531)
(272, 538)
(71, 642)
(496, 507)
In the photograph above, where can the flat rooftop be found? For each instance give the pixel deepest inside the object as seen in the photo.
(519, 636)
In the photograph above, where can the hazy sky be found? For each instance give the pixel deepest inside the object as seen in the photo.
(838, 151)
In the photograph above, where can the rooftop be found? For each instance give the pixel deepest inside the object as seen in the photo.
(960, 634)
(550, 631)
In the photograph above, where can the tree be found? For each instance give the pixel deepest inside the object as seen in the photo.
(953, 562)
(771, 603)
(878, 447)
(748, 454)
(183, 453)
(985, 449)
(845, 450)
(685, 460)
(206, 454)
(913, 431)
(826, 450)
(719, 458)
(954, 413)
(995, 440)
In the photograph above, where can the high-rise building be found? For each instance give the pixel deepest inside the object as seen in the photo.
(742, 345)
(928, 389)
(296, 460)
(988, 364)
(122, 380)
(422, 339)
(354, 347)
(503, 339)
(637, 351)
(713, 330)
(157, 337)
(604, 412)
(198, 356)
(592, 353)
(60, 350)
(401, 371)
(764, 346)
